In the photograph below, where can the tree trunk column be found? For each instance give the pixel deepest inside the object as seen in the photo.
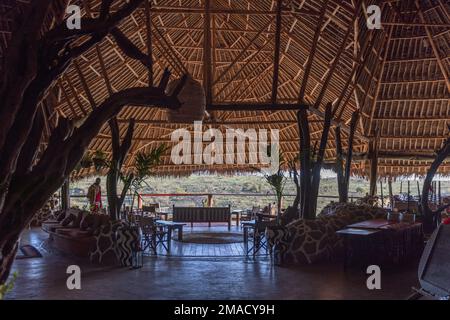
(8, 250)
(65, 195)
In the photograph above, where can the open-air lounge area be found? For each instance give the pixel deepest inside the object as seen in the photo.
(222, 149)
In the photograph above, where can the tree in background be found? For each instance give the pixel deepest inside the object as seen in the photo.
(343, 174)
(37, 55)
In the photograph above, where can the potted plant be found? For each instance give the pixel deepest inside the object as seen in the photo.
(99, 160)
(86, 162)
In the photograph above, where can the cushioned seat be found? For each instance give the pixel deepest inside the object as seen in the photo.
(65, 231)
(80, 233)
(49, 221)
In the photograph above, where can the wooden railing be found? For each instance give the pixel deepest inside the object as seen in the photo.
(208, 200)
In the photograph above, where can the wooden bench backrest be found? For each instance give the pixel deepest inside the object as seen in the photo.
(201, 214)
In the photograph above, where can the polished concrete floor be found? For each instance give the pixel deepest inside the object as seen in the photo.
(166, 277)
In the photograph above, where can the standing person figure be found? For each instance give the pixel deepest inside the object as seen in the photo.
(95, 196)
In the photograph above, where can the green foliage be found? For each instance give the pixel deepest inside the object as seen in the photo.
(144, 162)
(360, 190)
(277, 180)
(8, 286)
(99, 160)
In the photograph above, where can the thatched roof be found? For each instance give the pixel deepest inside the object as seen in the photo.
(398, 77)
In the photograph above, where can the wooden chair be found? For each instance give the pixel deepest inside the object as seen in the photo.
(250, 214)
(151, 209)
(258, 236)
(152, 236)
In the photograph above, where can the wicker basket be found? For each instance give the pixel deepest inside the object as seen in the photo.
(193, 102)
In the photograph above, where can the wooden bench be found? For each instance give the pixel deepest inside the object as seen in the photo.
(202, 214)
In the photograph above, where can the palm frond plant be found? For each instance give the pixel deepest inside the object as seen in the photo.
(8, 286)
(143, 165)
(277, 181)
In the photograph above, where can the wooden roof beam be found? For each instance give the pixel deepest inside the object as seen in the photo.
(85, 85)
(75, 93)
(380, 77)
(66, 97)
(441, 64)
(256, 106)
(276, 57)
(207, 67)
(243, 51)
(337, 58)
(354, 75)
(309, 62)
(149, 43)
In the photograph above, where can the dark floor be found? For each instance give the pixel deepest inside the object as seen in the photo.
(166, 277)
(184, 249)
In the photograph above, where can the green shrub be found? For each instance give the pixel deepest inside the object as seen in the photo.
(8, 286)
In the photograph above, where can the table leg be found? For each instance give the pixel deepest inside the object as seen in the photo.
(180, 233)
(238, 218)
(246, 240)
(169, 239)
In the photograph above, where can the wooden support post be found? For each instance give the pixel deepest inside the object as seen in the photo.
(435, 191)
(439, 192)
(381, 193)
(65, 195)
(210, 201)
(139, 201)
(373, 152)
(391, 196)
(409, 192)
(418, 190)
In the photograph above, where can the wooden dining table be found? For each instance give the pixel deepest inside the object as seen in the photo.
(171, 226)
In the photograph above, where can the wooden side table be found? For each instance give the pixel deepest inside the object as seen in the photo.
(364, 237)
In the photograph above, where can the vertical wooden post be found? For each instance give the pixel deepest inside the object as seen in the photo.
(439, 192)
(418, 190)
(434, 192)
(65, 195)
(373, 152)
(391, 196)
(409, 192)
(210, 201)
(139, 201)
(381, 193)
